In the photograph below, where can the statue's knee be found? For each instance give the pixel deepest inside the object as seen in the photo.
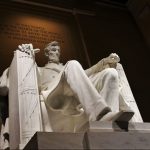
(73, 64)
(112, 73)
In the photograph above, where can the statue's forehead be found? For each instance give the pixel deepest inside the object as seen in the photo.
(53, 46)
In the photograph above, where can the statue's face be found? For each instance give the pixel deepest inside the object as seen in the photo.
(54, 53)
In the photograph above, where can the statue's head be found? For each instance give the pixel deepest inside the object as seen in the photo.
(52, 51)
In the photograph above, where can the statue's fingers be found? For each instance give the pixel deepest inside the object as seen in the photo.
(30, 46)
(27, 46)
(23, 45)
(117, 58)
(20, 47)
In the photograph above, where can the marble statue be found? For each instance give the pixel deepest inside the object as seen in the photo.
(63, 98)
(96, 89)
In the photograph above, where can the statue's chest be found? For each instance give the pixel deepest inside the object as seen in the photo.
(48, 75)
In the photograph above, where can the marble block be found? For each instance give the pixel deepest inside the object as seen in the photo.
(118, 140)
(107, 126)
(100, 135)
(54, 140)
(118, 135)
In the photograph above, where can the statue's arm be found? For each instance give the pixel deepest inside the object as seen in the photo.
(95, 68)
(108, 62)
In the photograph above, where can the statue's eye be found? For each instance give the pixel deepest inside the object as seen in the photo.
(53, 49)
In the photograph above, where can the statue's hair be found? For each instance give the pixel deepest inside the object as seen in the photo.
(53, 43)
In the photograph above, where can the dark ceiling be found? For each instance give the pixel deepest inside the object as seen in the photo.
(80, 3)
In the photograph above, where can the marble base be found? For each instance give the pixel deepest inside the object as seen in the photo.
(101, 126)
(118, 140)
(101, 135)
(54, 140)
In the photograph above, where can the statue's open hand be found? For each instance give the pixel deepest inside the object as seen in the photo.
(27, 48)
(113, 58)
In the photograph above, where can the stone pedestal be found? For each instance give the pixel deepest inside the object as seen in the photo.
(117, 140)
(107, 126)
(53, 140)
(100, 135)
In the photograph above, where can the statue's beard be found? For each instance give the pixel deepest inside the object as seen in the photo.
(54, 58)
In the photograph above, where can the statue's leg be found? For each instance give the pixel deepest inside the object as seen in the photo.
(106, 83)
(92, 102)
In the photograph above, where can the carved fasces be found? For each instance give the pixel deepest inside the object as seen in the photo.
(23, 82)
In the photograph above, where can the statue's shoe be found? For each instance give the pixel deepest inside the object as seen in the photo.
(103, 113)
(123, 115)
(98, 113)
